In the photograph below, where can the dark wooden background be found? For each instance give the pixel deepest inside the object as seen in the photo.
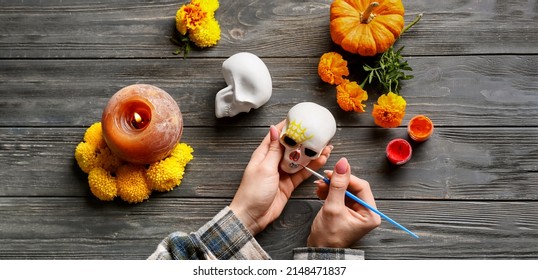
(471, 191)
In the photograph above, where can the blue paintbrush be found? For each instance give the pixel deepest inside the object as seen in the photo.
(362, 202)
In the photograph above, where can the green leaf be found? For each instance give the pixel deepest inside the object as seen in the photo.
(388, 70)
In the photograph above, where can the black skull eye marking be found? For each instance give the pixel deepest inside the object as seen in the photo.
(290, 142)
(309, 152)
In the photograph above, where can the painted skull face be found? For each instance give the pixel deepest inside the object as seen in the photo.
(249, 85)
(309, 128)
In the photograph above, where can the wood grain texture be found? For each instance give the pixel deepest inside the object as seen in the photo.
(82, 228)
(456, 163)
(453, 91)
(470, 192)
(133, 29)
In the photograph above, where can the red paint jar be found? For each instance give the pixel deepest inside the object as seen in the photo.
(399, 151)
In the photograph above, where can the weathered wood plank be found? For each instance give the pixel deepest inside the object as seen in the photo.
(127, 29)
(453, 91)
(470, 192)
(79, 228)
(456, 163)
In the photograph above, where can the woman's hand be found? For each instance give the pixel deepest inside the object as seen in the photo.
(264, 189)
(341, 222)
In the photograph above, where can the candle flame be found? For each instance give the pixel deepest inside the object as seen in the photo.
(137, 118)
(138, 121)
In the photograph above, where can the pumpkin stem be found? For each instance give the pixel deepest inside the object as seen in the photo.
(367, 16)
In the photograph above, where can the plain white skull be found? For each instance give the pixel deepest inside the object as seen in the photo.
(249, 85)
(309, 128)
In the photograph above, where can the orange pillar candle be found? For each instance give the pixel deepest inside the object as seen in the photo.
(142, 124)
(399, 151)
(420, 128)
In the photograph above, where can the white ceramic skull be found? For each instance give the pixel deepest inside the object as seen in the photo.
(249, 85)
(309, 128)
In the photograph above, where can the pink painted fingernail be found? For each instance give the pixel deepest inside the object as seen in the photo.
(274, 133)
(341, 166)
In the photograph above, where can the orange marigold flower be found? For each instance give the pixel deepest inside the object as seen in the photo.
(132, 186)
(332, 67)
(209, 6)
(389, 110)
(206, 34)
(189, 17)
(350, 96)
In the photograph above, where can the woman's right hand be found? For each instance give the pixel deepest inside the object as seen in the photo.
(340, 223)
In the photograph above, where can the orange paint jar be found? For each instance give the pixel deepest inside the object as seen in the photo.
(420, 128)
(142, 124)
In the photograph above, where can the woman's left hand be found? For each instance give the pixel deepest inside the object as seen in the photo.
(264, 189)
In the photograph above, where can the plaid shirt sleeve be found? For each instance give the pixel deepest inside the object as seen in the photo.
(312, 253)
(225, 237)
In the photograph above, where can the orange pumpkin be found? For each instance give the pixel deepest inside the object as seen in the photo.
(364, 27)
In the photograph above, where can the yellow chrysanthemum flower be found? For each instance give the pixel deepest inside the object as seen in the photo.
(89, 156)
(94, 152)
(183, 153)
(168, 173)
(102, 184)
(207, 34)
(209, 6)
(107, 160)
(94, 135)
(389, 110)
(189, 17)
(349, 96)
(332, 67)
(86, 156)
(131, 182)
(164, 175)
